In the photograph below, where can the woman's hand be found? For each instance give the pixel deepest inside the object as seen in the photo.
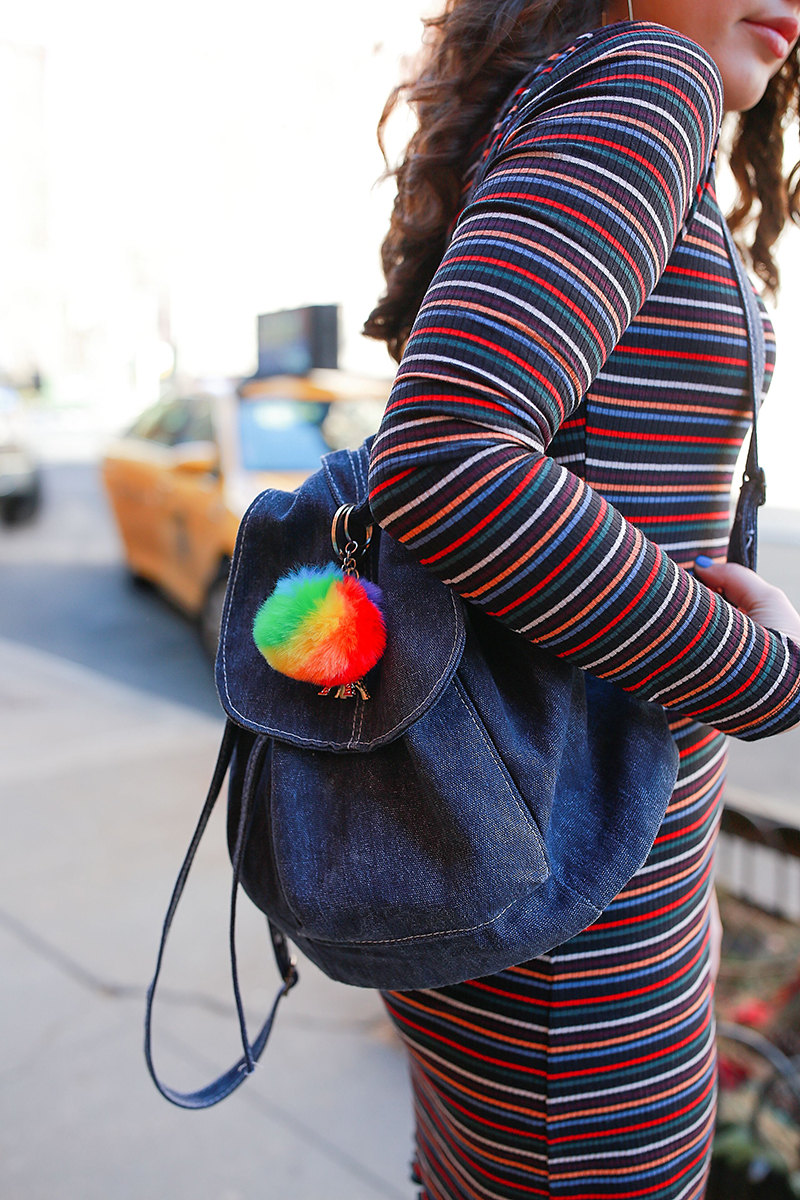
(714, 935)
(767, 605)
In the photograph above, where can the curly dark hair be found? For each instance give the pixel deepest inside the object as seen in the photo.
(475, 51)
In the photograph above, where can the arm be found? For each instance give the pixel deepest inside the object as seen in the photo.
(559, 248)
(763, 602)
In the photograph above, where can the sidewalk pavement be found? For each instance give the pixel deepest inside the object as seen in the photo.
(100, 786)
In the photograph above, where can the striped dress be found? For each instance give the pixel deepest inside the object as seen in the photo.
(558, 447)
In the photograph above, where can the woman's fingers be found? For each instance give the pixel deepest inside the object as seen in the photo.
(767, 605)
(739, 585)
(714, 935)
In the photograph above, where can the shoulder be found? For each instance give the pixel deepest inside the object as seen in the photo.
(637, 62)
(632, 42)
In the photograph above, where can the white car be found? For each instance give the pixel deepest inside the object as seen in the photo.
(20, 479)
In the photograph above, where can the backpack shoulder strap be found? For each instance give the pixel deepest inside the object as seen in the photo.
(221, 1087)
(743, 545)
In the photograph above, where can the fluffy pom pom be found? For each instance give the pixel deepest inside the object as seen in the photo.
(321, 626)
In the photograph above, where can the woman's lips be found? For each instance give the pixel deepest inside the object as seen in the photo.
(776, 39)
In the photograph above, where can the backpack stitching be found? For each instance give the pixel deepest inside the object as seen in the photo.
(247, 520)
(418, 937)
(384, 738)
(297, 739)
(513, 793)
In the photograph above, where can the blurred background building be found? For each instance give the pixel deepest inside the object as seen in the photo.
(26, 317)
(170, 173)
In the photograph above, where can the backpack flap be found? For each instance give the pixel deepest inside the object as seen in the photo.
(282, 531)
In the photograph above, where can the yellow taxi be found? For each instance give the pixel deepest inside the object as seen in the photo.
(180, 480)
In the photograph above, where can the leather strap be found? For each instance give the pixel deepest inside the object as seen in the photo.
(221, 1087)
(743, 543)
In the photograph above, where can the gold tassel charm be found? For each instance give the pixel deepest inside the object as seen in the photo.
(346, 691)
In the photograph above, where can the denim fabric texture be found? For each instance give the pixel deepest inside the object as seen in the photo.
(484, 805)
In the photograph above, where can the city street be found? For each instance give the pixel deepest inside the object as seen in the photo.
(109, 732)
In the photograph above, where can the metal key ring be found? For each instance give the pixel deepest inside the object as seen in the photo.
(343, 511)
(342, 515)
(367, 530)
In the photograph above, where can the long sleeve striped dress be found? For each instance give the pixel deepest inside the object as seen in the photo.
(558, 447)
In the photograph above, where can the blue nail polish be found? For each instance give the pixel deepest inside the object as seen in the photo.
(703, 560)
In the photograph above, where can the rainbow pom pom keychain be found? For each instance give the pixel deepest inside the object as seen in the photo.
(324, 625)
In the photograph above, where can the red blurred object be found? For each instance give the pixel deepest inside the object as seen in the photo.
(754, 1013)
(731, 1074)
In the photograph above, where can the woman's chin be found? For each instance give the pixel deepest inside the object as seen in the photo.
(744, 88)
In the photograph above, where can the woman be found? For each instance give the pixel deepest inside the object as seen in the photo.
(559, 448)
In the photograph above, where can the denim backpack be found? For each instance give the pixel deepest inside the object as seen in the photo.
(485, 804)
